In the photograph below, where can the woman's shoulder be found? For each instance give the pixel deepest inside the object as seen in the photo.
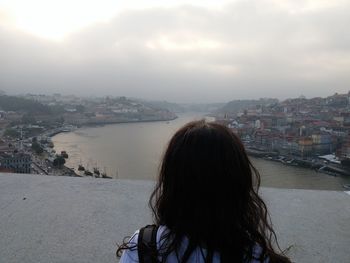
(257, 251)
(131, 254)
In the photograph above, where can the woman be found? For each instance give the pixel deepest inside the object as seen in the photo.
(206, 203)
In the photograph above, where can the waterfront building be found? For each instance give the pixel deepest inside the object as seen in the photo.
(344, 152)
(305, 147)
(322, 143)
(16, 162)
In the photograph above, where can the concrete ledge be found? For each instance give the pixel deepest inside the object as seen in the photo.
(63, 219)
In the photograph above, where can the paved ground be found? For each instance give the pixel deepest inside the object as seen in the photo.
(63, 219)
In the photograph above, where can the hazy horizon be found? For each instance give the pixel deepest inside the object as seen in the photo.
(161, 100)
(178, 51)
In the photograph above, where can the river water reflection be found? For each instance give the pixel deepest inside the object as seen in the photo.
(133, 151)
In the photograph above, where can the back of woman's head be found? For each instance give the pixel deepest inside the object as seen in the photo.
(207, 192)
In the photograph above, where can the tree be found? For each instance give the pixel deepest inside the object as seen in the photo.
(37, 148)
(59, 161)
(12, 133)
(12, 103)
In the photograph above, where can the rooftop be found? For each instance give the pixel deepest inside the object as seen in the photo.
(64, 219)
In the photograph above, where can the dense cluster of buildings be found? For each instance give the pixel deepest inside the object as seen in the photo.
(296, 127)
(12, 160)
(99, 110)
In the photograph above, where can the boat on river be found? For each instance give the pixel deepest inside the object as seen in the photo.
(104, 175)
(87, 173)
(96, 172)
(346, 186)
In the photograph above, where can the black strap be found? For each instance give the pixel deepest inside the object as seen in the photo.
(147, 244)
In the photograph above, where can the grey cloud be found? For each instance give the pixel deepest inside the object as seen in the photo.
(262, 51)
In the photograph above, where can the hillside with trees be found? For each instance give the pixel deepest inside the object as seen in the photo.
(235, 106)
(12, 103)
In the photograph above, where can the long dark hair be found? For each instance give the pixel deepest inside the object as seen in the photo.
(207, 191)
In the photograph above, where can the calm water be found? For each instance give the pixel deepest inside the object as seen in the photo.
(133, 151)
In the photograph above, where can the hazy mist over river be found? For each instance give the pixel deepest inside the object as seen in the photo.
(133, 151)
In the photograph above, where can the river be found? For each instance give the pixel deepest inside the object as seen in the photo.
(133, 151)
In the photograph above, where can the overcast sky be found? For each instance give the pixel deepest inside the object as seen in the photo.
(182, 51)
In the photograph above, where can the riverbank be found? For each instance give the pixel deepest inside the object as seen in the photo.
(100, 124)
(316, 164)
(103, 123)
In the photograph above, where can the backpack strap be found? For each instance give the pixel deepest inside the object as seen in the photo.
(147, 244)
